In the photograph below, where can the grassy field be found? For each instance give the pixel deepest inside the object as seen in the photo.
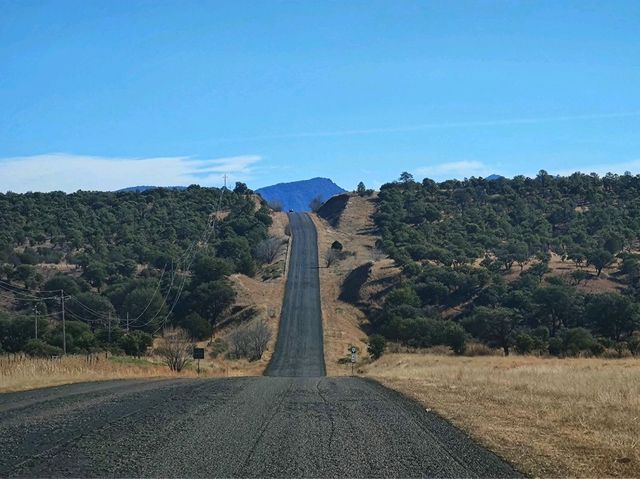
(20, 373)
(548, 417)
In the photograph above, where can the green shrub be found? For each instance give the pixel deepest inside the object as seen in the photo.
(376, 346)
(634, 344)
(40, 349)
(524, 343)
(135, 343)
(197, 327)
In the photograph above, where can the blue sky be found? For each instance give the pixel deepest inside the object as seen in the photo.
(108, 94)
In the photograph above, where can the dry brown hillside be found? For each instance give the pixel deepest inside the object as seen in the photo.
(349, 221)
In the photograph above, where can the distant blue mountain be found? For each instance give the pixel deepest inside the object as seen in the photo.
(494, 177)
(297, 195)
(140, 189)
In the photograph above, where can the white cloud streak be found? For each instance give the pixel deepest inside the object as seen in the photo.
(68, 172)
(453, 169)
(437, 125)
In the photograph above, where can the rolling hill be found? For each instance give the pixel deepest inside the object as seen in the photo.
(298, 194)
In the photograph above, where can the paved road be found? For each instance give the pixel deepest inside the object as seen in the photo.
(299, 349)
(245, 427)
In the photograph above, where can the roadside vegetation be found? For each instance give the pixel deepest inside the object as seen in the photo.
(564, 402)
(19, 372)
(128, 265)
(480, 261)
(550, 417)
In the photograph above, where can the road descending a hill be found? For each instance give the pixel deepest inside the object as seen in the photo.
(299, 350)
(292, 425)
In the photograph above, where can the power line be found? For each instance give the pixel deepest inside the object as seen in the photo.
(18, 288)
(185, 260)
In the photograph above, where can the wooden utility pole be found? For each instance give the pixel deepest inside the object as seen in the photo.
(127, 321)
(36, 311)
(64, 326)
(109, 327)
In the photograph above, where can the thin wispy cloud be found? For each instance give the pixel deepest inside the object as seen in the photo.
(436, 125)
(453, 169)
(68, 172)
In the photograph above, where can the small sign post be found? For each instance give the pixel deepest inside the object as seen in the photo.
(353, 357)
(198, 353)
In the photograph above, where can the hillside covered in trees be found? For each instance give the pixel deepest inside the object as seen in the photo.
(126, 263)
(478, 262)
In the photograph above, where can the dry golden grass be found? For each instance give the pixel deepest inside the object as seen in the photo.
(549, 417)
(22, 373)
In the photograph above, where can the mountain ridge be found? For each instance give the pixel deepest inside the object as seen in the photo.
(296, 195)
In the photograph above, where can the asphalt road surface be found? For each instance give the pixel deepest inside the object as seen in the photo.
(299, 349)
(283, 426)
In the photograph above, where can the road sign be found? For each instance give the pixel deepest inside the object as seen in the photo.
(353, 357)
(353, 350)
(198, 353)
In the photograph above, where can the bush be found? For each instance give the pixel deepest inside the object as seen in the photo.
(336, 245)
(555, 346)
(440, 350)
(40, 349)
(616, 353)
(15, 333)
(331, 257)
(177, 350)
(634, 344)
(250, 341)
(420, 332)
(524, 343)
(474, 348)
(198, 327)
(576, 341)
(135, 343)
(218, 347)
(573, 342)
(376, 346)
(454, 336)
(269, 249)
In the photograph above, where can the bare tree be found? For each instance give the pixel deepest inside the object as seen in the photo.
(316, 203)
(377, 254)
(251, 340)
(269, 249)
(332, 256)
(275, 205)
(238, 341)
(177, 349)
(260, 335)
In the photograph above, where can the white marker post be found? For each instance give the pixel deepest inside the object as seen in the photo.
(353, 357)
